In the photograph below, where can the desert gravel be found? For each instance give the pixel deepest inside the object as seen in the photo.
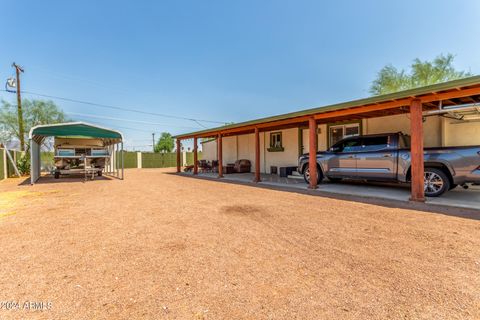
(162, 246)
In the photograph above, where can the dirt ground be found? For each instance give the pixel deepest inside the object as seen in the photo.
(162, 246)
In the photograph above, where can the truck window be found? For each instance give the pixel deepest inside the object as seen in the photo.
(348, 146)
(375, 143)
(404, 141)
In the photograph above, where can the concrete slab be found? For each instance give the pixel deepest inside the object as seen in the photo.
(458, 197)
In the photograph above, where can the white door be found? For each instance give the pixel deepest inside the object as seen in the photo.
(305, 141)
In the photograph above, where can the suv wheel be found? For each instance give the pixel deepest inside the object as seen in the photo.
(306, 175)
(436, 182)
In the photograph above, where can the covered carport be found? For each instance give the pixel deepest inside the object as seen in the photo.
(443, 98)
(111, 139)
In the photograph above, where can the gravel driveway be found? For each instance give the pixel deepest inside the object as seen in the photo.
(162, 246)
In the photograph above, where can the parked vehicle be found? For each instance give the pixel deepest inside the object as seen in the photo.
(80, 159)
(386, 157)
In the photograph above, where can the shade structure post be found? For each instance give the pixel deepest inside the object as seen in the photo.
(220, 158)
(114, 161)
(178, 155)
(257, 156)
(123, 166)
(195, 156)
(117, 172)
(110, 165)
(34, 167)
(312, 161)
(416, 151)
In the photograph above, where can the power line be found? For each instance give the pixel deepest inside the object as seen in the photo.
(129, 120)
(121, 127)
(119, 108)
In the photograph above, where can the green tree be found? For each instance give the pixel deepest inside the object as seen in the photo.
(421, 73)
(35, 112)
(165, 143)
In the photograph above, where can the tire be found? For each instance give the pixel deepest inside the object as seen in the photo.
(99, 173)
(57, 175)
(306, 175)
(436, 182)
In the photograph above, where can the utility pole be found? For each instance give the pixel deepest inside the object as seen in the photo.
(153, 140)
(19, 69)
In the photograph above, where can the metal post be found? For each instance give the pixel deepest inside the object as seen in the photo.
(122, 161)
(116, 161)
(153, 141)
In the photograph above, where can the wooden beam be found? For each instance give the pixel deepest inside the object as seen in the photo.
(195, 156)
(220, 156)
(257, 156)
(312, 160)
(363, 109)
(450, 95)
(416, 151)
(178, 155)
(358, 110)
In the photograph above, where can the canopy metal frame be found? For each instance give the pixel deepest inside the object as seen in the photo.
(112, 139)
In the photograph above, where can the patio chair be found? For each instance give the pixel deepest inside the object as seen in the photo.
(204, 166)
(242, 166)
(214, 166)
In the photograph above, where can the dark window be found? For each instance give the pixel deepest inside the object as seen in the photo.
(375, 143)
(275, 140)
(404, 141)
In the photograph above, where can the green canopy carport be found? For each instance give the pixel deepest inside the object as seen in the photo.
(110, 138)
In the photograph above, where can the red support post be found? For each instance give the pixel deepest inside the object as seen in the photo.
(257, 156)
(416, 151)
(178, 155)
(195, 156)
(220, 159)
(312, 161)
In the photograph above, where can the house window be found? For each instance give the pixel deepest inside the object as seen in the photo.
(341, 131)
(275, 142)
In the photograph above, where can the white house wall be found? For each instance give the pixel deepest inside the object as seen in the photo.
(401, 123)
(229, 146)
(460, 133)
(438, 131)
(287, 158)
(209, 150)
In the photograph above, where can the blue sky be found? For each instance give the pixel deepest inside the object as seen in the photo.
(221, 60)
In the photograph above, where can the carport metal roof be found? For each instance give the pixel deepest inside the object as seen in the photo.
(75, 130)
(451, 93)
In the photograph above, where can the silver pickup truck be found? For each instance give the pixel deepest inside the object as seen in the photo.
(386, 157)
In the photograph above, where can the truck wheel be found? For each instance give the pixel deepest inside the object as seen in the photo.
(57, 175)
(99, 173)
(306, 175)
(436, 182)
